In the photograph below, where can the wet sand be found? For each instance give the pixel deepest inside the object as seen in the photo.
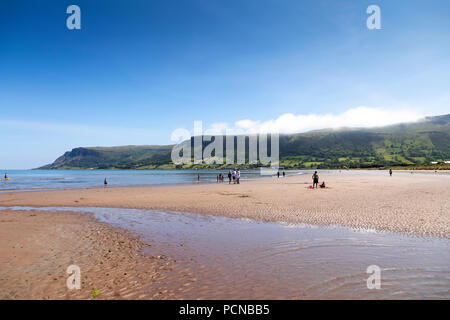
(142, 255)
(409, 203)
(37, 247)
(213, 257)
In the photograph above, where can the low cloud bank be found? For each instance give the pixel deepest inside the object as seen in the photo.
(290, 123)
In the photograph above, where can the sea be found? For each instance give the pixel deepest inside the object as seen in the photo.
(29, 180)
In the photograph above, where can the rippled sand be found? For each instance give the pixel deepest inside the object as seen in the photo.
(37, 247)
(210, 257)
(206, 258)
(411, 203)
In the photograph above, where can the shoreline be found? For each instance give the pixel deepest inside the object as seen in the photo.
(407, 204)
(157, 263)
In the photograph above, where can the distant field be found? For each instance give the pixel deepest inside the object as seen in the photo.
(439, 166)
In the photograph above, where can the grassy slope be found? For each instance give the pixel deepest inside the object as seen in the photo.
(405, 144)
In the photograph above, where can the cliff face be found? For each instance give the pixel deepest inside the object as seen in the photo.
(403, 144)
(75, 154)
(127, 157)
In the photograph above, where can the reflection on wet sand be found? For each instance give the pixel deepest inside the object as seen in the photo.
(224, 258)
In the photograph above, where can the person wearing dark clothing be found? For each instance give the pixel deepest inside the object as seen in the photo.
(315, 178)
(229, 177)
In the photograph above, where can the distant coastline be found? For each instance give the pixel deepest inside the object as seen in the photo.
(414, 167)
(410, 146)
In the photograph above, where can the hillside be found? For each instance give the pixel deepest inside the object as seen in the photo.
(402, 144)
(125, 157)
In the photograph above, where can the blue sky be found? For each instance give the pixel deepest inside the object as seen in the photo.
(137, 70)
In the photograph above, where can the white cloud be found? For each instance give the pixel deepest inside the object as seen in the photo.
(290, 123)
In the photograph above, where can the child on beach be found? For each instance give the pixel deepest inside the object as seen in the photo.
(234, 177)
(229, 177)
(238, 175)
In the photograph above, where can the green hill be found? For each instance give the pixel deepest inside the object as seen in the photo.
(397, 145)
(125, 157)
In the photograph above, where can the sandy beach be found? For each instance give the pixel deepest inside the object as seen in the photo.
(416, 203)
(37, 246)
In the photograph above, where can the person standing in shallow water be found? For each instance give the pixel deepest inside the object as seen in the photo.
(105, 182)
(315, 178)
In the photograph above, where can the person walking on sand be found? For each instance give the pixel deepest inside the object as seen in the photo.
(390, 172)
(229, 177)
(284, 174)
(238, 175)
(315, 178)
(234, 177)
(105, 183)
(278, 174)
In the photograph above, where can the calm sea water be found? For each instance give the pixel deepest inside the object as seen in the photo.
(24, 180)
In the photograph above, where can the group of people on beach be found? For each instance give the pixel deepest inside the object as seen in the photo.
(234, 175)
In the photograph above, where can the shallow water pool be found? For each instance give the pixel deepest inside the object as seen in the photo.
(224, 258)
